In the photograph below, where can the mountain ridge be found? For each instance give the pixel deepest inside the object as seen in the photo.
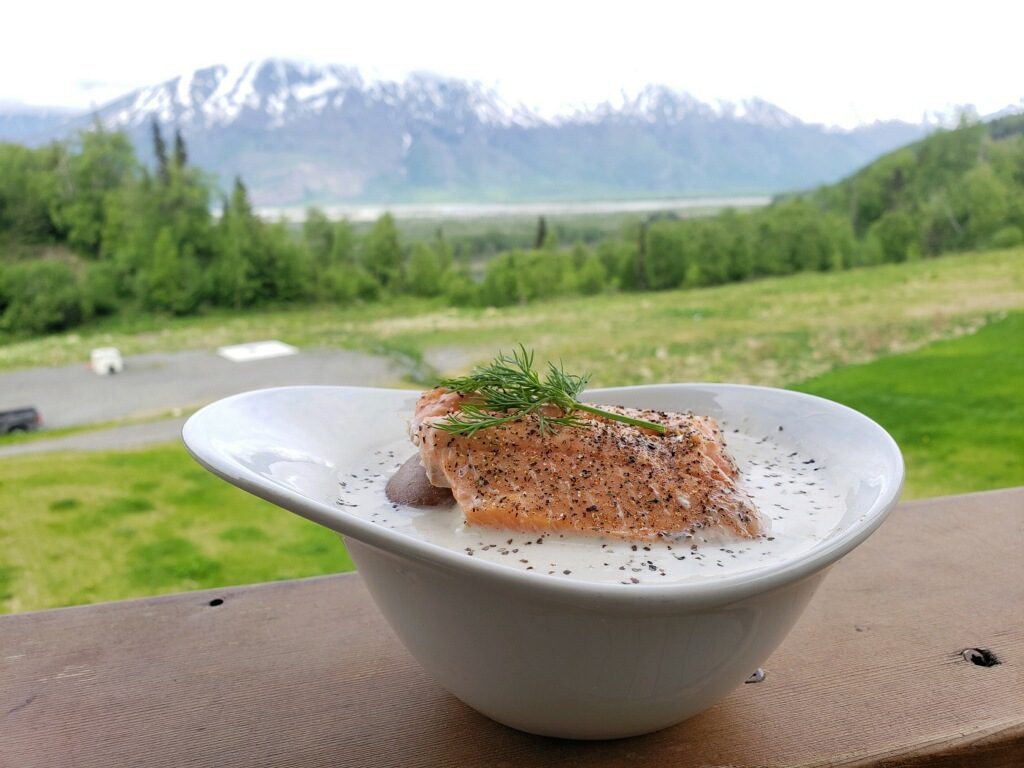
(300, 133)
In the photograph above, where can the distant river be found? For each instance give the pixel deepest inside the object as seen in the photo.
(515, 210)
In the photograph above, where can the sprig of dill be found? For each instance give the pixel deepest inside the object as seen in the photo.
(509, 389)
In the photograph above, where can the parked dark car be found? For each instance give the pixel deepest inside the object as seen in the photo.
(19, 420)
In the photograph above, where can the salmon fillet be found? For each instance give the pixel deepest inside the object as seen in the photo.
(608, 479)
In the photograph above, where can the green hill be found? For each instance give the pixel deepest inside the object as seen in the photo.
(954, 190)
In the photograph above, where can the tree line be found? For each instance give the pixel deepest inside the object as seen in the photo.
(149, 240)
(87, 230)
(955, 190)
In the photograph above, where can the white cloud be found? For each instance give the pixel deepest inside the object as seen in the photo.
(828, 62)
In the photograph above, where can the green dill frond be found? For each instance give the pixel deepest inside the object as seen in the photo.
(509, 389)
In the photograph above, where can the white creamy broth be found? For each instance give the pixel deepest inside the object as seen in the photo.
(789, 487)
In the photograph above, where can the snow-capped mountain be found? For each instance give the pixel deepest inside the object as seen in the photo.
(299, 133)
(277, 93)
(660, 104)
(280, 92)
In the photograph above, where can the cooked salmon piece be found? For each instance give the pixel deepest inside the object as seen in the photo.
(607, 478)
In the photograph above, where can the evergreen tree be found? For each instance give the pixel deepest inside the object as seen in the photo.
(381, 253)
(343, 243)
(180, 152)
(428, 269)
(318, 237)
(132, 219)
(445, 257)
(185, 204)
(160, 152)
(233, 279)
(171, 282)
(579, 255)
(638, 275)
(30, 192)
(425, 273)
(550, 242)
(318, 232)
(741, 256)
(103, 164)
(542, 233)
(664, 262)
(290, 272)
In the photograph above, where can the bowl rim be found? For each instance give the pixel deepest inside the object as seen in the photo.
(196, 436)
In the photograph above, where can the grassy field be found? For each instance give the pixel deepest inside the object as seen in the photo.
(772, 332)
(930, 349)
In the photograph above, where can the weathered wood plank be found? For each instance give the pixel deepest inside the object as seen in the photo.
(305, 673)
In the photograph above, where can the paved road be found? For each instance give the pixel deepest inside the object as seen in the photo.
(157, 383)
(114, 439)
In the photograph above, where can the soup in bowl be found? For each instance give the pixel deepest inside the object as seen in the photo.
(562, 635)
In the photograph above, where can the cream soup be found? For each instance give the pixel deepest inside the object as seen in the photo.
(789, 487)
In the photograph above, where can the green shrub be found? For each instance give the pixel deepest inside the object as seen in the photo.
(592, 276)
(172, 283)
(459, 288)
(39, 297)
(101, 292)
(1007, 237)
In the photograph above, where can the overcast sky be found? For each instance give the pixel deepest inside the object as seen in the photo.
(830, 62)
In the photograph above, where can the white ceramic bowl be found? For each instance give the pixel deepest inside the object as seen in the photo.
(555, 656)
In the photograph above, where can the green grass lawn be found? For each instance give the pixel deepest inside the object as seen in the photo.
(956, 408)
(901, 343)
(87, 527)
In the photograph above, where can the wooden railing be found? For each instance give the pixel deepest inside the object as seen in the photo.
(911, 654)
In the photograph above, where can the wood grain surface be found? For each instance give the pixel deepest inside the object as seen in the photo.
(306, 673)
